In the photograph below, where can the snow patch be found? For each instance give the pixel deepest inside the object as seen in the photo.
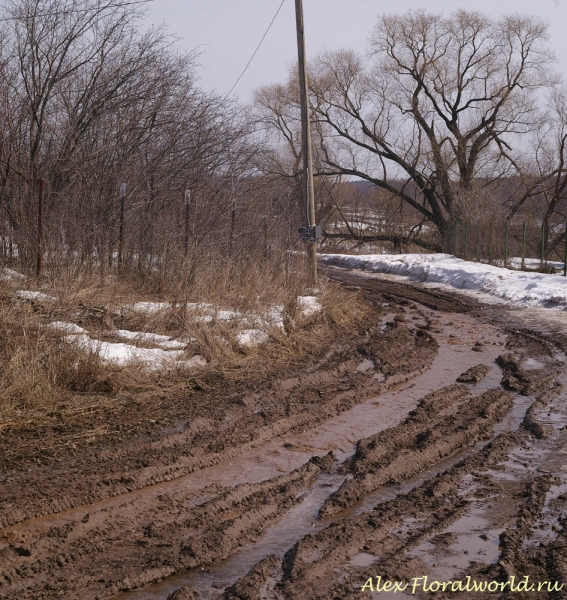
(11, 275)
(517, 288)
(172, 344)
(195, 361)
(68, 328)
(121, 354)
(163, 341)
(532, 263)
(29, 295)
(149, 307)
(250, 338)
(309, 305)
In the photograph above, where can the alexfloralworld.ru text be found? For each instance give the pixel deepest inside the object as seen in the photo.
(376, 584)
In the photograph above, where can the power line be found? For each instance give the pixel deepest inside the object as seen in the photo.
(257, 48)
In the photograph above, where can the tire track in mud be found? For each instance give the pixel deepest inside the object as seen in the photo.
(283, 407)
(432, 404)
(315, 571)
(147, 539)
(318, 566)
(141, 541)
(419, 442)
(433, 299)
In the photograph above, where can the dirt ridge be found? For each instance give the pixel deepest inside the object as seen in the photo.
(419, 447)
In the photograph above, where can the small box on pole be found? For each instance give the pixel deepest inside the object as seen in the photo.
(311, 234)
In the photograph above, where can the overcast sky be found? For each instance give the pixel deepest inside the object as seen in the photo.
(228, 31)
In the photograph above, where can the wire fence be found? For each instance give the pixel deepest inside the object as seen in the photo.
(524, 246)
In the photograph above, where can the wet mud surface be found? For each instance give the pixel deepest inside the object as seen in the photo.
(433, 444)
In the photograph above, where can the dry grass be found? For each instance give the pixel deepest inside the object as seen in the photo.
(45, 376)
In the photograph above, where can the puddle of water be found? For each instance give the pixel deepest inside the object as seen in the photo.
(467, 539)
(338, 434)
(514, 418)
(530, 364)
(363, 560)
(490, 382)
(296, 523)
(545, 530)
(556, 420)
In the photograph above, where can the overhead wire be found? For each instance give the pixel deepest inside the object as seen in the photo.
(256, 51)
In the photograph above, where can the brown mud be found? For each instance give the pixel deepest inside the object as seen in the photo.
(370, 461)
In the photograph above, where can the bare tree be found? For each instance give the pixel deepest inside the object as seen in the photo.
(91, 101)
(542, 188)
(439, 102)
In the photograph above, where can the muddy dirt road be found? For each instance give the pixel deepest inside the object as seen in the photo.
(433, 444)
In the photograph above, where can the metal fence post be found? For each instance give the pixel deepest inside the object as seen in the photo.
(523, 267)
(490, 243)
(456, 249)
(466, 238)
(121, 229)
(542, 255)
(39, 265)
(186, 222)
(506, 245)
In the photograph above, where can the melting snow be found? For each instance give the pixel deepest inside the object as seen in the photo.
(531, 263)
(309, 305)
(163, 341)
(29, 295)
(149, 307)
(514, 287)
(196, 361)
(68, 328)
(6, 273)
(122, 354)
(170, 352)
(251, 337)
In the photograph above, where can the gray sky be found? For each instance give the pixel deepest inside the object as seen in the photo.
(228, 31)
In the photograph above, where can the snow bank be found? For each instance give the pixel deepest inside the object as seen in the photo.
(514, 287)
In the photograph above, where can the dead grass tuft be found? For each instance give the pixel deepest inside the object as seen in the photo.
(47, 377)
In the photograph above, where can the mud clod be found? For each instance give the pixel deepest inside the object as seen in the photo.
(514, 377)
(249, 586)
(474, 374)
(183, 593)
(421, 440)
(442, 483)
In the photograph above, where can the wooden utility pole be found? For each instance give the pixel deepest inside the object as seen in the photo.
(308, 190)
(40, 229)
